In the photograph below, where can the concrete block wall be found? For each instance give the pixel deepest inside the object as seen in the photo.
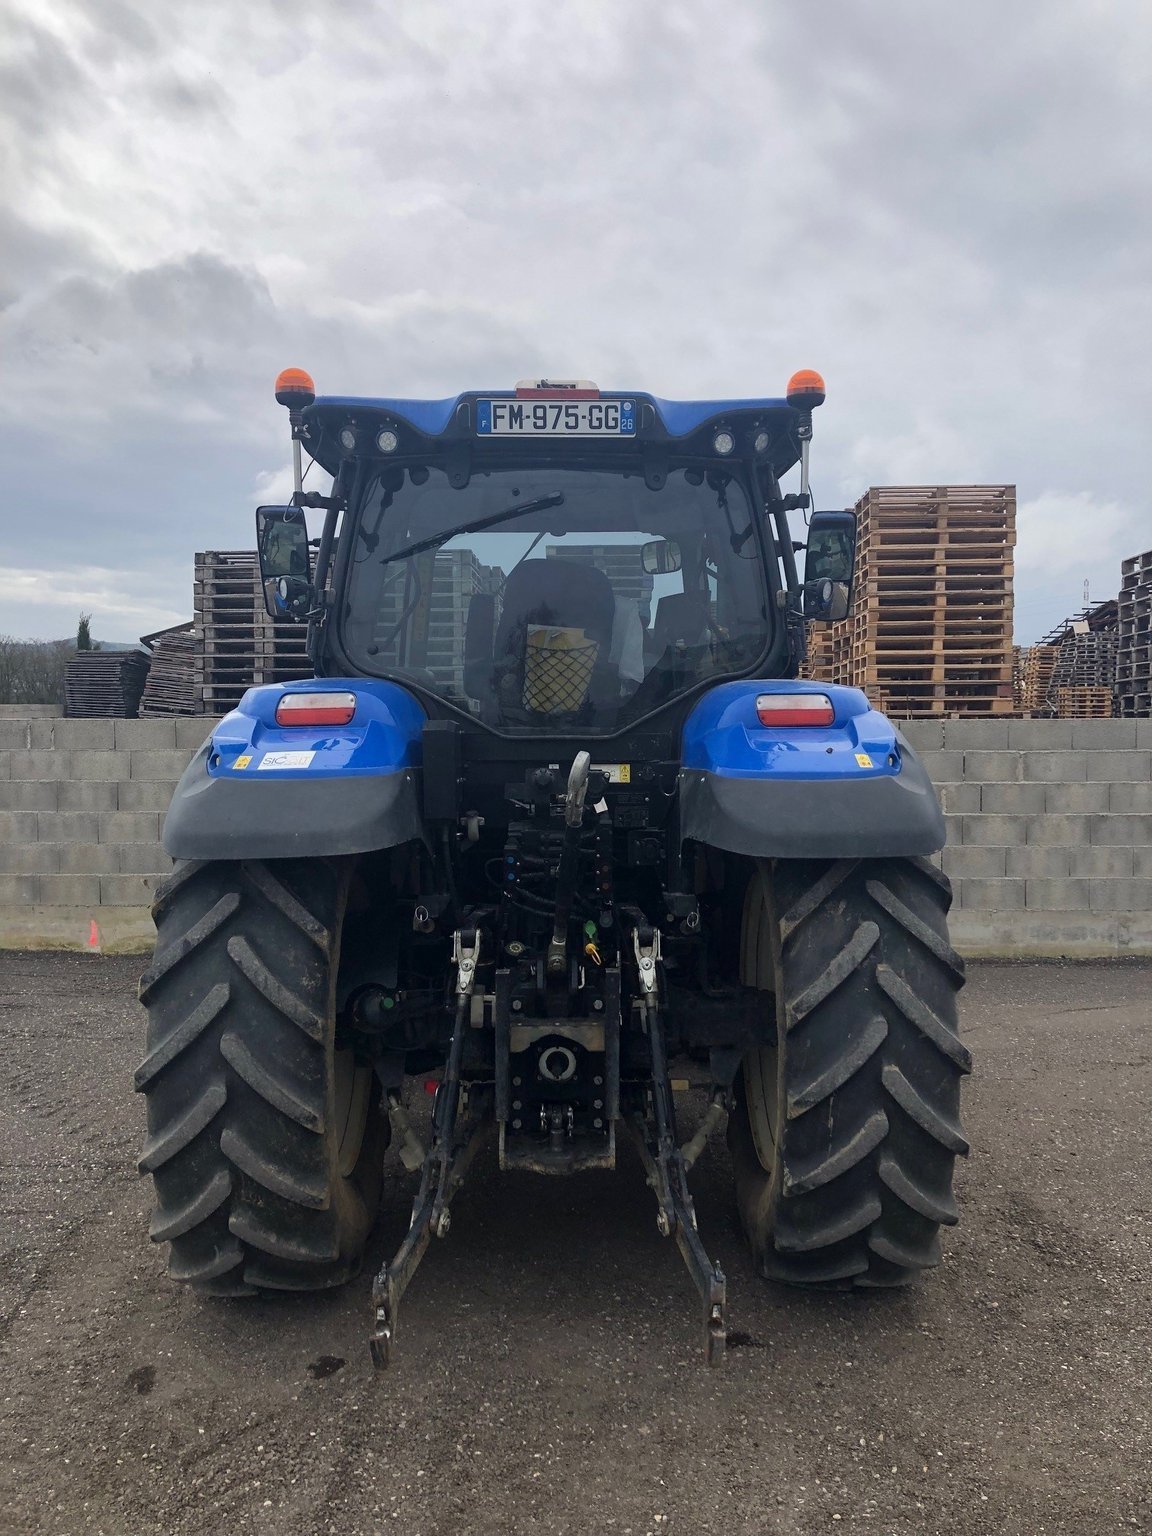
(1049, 832)
(81, 807)
(1049, 829)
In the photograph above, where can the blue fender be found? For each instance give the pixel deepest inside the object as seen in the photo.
(851, 789)
(259, 790)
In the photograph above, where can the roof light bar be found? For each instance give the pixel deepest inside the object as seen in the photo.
(316, 709)
(794, 709)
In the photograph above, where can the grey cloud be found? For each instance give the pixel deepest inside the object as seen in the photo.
(108, 29)
(945, 211)
(42, 85)
(186, 99)
(33, 256)
(1020, 136)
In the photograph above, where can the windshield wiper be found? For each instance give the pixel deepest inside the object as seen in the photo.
(539, 505)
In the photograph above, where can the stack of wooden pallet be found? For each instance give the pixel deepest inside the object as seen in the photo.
(1134, 656)
(239, 644)
(931, 628)
(172, 687)
(1084, 668)
(1086, 660)
(818, 662)
(1037, 663)
(104, 683)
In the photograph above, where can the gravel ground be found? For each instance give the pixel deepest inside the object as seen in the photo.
(548, 1377)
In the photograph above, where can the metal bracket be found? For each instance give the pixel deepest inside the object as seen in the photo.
(315, 499)
(713, 1119)
(466, 957)
(647, 959)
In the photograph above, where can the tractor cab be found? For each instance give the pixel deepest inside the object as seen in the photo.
(553, 561)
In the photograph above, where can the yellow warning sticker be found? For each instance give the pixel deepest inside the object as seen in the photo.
(616, 773)
(863, 760)
(243, 760)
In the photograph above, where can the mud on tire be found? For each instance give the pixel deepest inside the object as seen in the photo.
(845, 1132)
(264, 1142)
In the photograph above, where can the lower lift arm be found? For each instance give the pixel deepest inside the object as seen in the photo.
(666, 1164)
(455, 1142)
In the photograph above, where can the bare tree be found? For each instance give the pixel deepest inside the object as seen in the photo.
(32, 671)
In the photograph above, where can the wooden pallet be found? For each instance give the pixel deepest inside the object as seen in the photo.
(931, 627)
(1084, 703)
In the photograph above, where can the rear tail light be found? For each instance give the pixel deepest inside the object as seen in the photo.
(794, 709)
(316, 709)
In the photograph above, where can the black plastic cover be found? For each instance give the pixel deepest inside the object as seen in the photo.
(269, 818)
(774, 818)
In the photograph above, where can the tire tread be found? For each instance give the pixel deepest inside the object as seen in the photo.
(865, 981)
(237, 1076)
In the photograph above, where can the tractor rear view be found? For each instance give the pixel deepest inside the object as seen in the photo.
(553, 813)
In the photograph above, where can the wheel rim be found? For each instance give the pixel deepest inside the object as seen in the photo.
(761, 1095)
(353, 1088)
(761, 1067)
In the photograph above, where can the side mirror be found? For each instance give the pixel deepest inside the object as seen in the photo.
(660, 557)
(285, 561)
(828, 566)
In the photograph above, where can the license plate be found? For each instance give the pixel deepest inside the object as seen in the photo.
(556, 418)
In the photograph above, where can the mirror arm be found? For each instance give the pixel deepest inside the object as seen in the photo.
(786, 546)
(324, 553)
(318, 605)
(314, 499)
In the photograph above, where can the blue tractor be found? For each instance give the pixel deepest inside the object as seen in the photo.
(554, 812)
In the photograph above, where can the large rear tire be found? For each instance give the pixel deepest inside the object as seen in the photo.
(264, 1141)
(845, 1130)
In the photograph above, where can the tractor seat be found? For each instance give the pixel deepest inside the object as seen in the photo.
(681, 619)
(564, 593)
(554, 594)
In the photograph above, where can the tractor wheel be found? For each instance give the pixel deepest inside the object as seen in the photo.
(845, 1130)
(264, 1142)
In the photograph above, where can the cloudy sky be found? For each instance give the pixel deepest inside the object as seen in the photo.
(946, 209)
